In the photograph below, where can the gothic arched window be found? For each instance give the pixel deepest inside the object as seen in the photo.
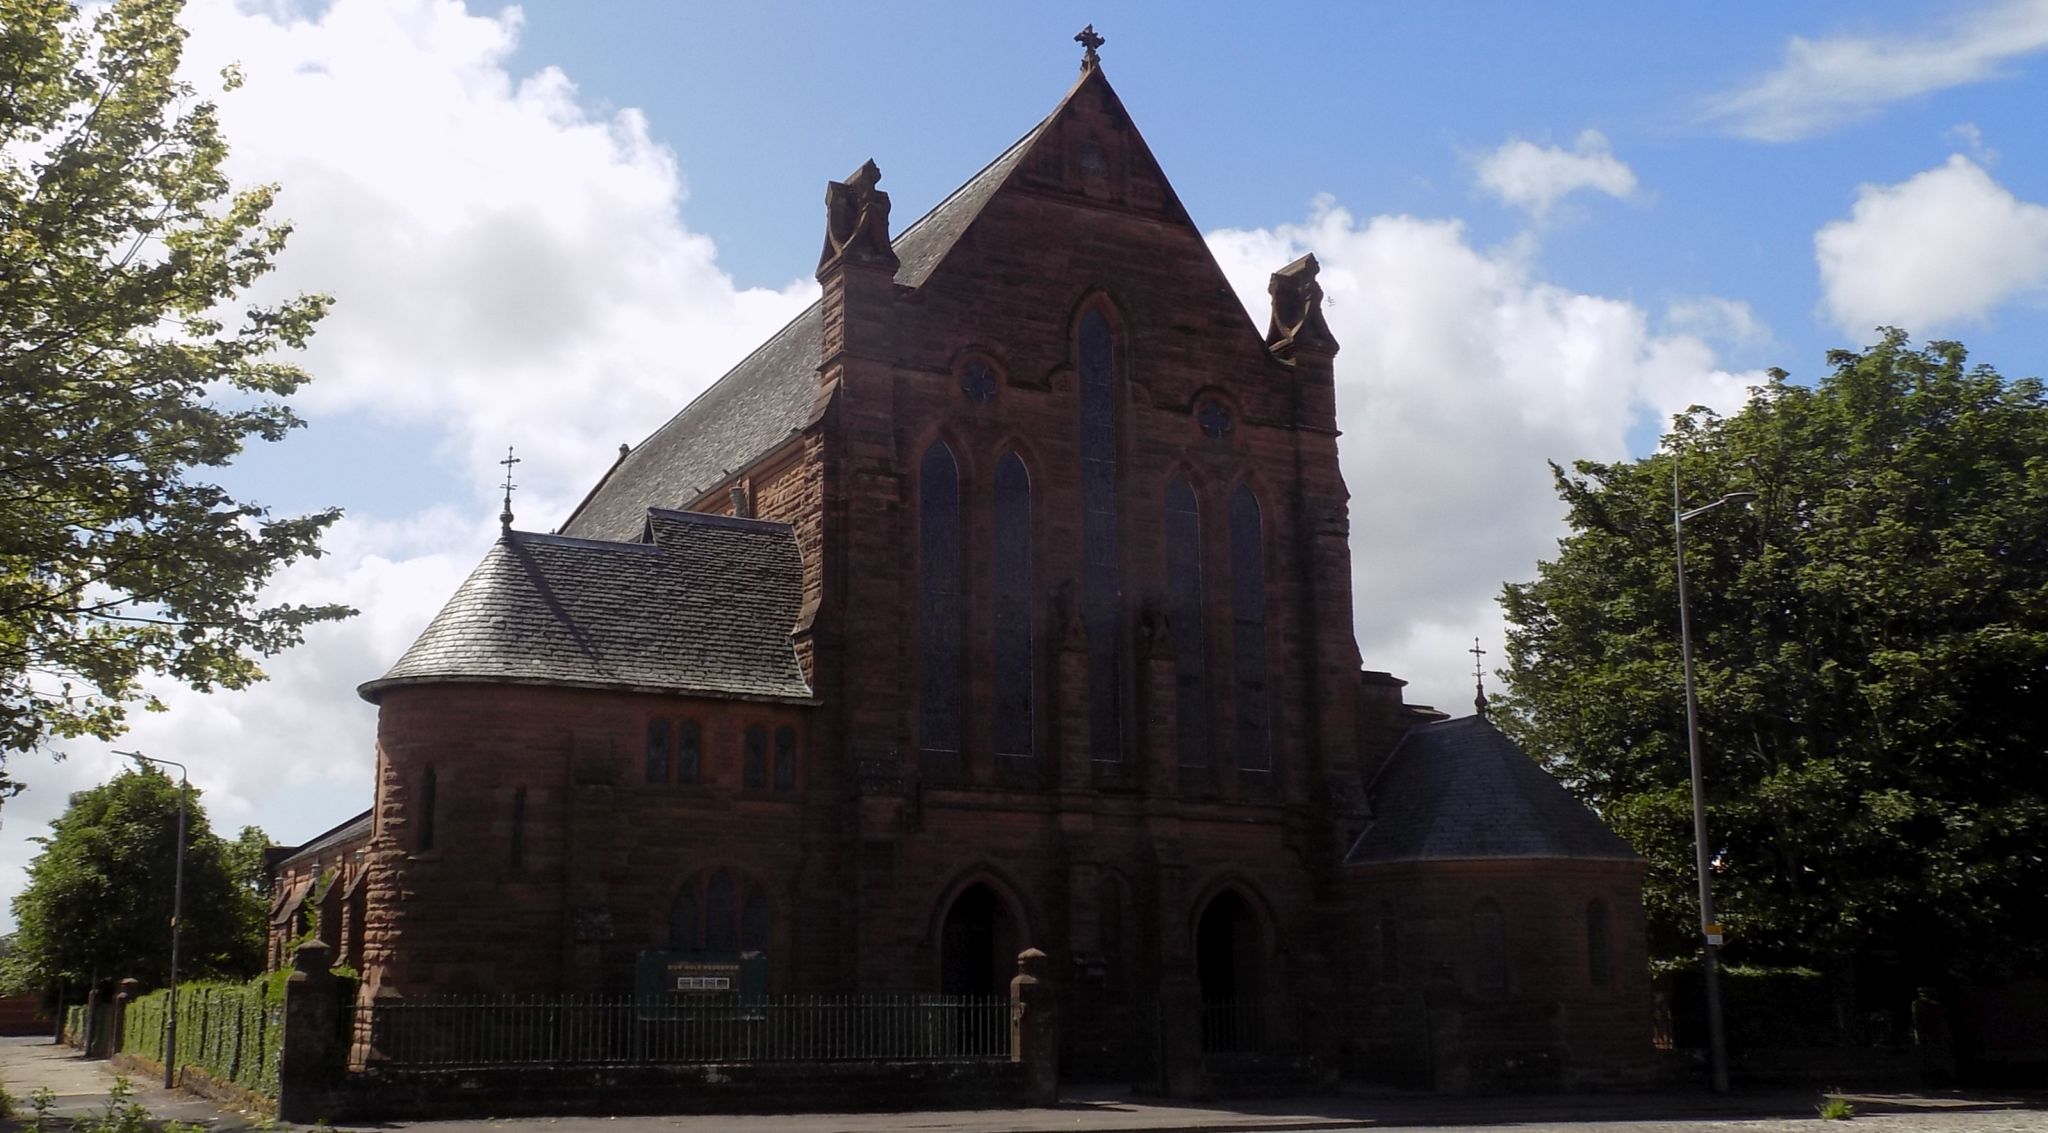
(1248, 625)
(1014, 732)
(719, 910)
(1184, 613)
(1599, 950)
(1101, 599)
(1390, 944)
(754, 758)
(429, 787)
(938, 606)
(689, 750)
(1489, 946)
(785, 758)
(657, 751)
(685, 923)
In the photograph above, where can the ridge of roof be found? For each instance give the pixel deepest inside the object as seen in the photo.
(713, 519)
(336, 833)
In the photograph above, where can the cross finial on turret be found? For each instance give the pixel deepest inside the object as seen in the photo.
(1089, 41)
(505, 517)
(1478, 677)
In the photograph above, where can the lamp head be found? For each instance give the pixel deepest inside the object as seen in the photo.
(1739, 499)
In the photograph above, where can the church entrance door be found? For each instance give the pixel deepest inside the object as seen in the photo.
(1229, 964)
(977, 945)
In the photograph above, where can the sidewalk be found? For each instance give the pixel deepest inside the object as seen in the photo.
(81, 1087)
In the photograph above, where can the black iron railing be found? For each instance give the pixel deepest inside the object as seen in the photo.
(512, 1031)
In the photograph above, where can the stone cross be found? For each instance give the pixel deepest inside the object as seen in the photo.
(1090, 41)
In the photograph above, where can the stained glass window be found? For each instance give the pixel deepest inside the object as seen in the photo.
(685, 927)
(785, 758)
(1489, 946)
(754, 758)
(1248, 624)
(719, 901)
(1013, 670)
(689, 751)
(657, 751)
(1184, 610)
(1101, 596)
(938, 622)
(1390, 944)
(978, 382)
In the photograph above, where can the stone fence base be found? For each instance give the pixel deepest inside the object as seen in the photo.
(744, 1087)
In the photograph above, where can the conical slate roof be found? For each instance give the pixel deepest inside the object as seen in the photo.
(1459, 789)
(703, 605)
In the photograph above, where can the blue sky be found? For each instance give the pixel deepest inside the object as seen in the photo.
(1543, 227)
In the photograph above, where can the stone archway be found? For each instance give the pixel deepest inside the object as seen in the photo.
(978, 944)
(1230, 966)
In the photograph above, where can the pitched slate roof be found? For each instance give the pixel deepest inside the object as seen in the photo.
(772, 394)
(1459, 789)
(355, 828)
(703, 605)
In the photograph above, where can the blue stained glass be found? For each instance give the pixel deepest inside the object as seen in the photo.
(1101, 594)
(657, 751)
(1248, 618)
(1184, 609)
(689, 751)
(1013, 668)
(785, 758)
(938, 613)
(719, 913)
(754, 763)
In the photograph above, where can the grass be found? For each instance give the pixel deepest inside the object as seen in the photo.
(1832, 1108)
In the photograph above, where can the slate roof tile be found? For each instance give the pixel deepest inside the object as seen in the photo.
(703, 605)
(1459, 789)
(772, 394)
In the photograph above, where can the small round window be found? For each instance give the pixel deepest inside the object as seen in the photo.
(978, 382)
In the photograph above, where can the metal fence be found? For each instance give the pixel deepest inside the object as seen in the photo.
(1244, 1026)
(512, 1031)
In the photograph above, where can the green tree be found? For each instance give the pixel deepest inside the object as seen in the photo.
(1872, 644)
(99, 894)
(125, 369)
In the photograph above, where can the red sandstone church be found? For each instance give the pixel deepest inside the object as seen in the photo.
(1000, 600)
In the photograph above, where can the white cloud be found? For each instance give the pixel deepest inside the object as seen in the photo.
(1462, 372)
(1946, 244)
(1535, 177)
(1730, 323)
(1824, 83)
(508, 267)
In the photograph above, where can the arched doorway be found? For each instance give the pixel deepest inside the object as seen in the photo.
(1230, 966)
(977, 944)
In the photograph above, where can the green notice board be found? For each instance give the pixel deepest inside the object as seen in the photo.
(666, 977)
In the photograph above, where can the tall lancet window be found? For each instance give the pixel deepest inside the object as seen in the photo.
(1013, 607)
(1248, 624)
(1101, 597)
(938, 604)
(1184, 610)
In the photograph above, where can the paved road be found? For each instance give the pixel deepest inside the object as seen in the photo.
(81, 1087)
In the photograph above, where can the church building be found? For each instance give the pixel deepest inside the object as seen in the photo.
(1000, 600)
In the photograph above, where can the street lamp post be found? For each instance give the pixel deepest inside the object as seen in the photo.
(177, 919)
(1710, 937)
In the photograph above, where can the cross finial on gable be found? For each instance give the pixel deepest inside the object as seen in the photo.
(1090, 41)
(1478, 677)
(505, 517)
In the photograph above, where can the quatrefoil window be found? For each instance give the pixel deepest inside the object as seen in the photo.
(1214, 418)
(978, 382)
